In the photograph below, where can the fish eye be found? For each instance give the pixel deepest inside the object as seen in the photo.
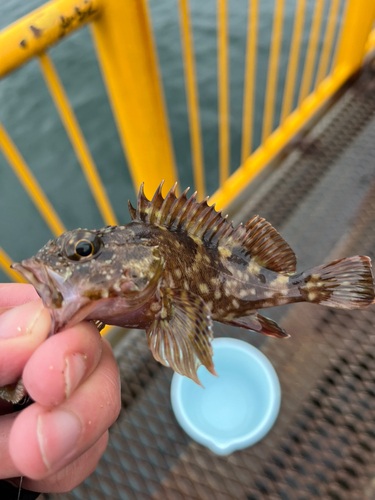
(82, 245)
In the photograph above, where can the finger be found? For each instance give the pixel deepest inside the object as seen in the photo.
(22, 330)
(44, 441)
(15, 294)
(7, 468)
(73, 474)
(61, 363)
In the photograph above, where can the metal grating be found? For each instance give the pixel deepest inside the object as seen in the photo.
(323, 443)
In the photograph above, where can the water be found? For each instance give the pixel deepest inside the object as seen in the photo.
(29, 115)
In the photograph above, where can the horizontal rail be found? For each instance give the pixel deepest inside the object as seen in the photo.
(40, 29)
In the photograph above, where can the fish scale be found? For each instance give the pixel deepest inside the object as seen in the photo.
(174, 269)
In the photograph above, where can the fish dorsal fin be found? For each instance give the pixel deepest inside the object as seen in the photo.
(267, 247)
(257, 239)
(180, 337)
(181, 214)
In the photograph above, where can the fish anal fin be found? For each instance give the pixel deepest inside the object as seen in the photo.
(180, 337)
(260, 324)
(268, 248)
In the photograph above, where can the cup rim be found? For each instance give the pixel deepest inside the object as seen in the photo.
(228, 445)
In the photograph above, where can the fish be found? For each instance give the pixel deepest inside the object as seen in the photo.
(178, 266)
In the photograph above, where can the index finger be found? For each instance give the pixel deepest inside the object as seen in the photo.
(15, 294)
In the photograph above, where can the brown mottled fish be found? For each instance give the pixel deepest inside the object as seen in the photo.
(178, 266)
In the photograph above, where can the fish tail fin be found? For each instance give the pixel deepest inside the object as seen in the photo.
(346, 283)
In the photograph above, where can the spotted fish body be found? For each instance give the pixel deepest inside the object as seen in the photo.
(178, 266)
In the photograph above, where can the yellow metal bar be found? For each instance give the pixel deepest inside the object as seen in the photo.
(126, 52)
(76, 137)
(249, 87)
(359, 19)
(223, 90)
(41, 28)
(240, 179)
(328, 41)
(5, 262)
(293, 60)
(30, 184)
(370, 44)
(192, 98)
(311, 51)
(273, 66)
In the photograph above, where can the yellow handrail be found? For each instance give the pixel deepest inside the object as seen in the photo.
(130, 68)
(34, 33)
(123, 38)
(192, 98)
(76, 138)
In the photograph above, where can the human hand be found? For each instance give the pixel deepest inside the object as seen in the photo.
(73, 378)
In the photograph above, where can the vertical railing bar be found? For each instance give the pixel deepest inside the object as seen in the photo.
(76, 137)
(293, 61)
(249, 83)
(311, 51)
(5, 262)
(30, 183)
(223, 91)
(192, 98)
(340, 34)
(273, 65)
(328, 41)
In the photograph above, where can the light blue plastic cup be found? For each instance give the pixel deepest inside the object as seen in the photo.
(235, 409)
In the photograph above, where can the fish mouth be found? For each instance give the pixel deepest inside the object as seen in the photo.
(37, 274)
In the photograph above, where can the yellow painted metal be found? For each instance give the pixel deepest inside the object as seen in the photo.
(126, 52)
(273, 66)
(249, 86)
(30, 183)
(311, 51)
(328, 42)
(5, 262)
(359, 19)
(223, 89)
(242, 177)
(76, 137)
(293, 60)
(38, 30)
(192, 98)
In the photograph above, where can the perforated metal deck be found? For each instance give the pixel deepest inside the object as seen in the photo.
(322, 200)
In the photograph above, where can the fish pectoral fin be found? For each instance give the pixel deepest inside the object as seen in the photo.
(268, 248)
(260, 324)
(180, 337)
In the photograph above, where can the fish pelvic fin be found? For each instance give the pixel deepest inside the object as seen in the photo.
(258, 323)
(180, 336)
(345, 283)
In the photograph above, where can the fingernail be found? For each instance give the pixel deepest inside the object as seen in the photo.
(23, 320)
(75, 368)
(58, 433)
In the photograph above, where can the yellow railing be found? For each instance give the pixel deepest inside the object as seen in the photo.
(123, 38)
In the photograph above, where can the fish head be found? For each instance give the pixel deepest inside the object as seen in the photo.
(93, 274)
